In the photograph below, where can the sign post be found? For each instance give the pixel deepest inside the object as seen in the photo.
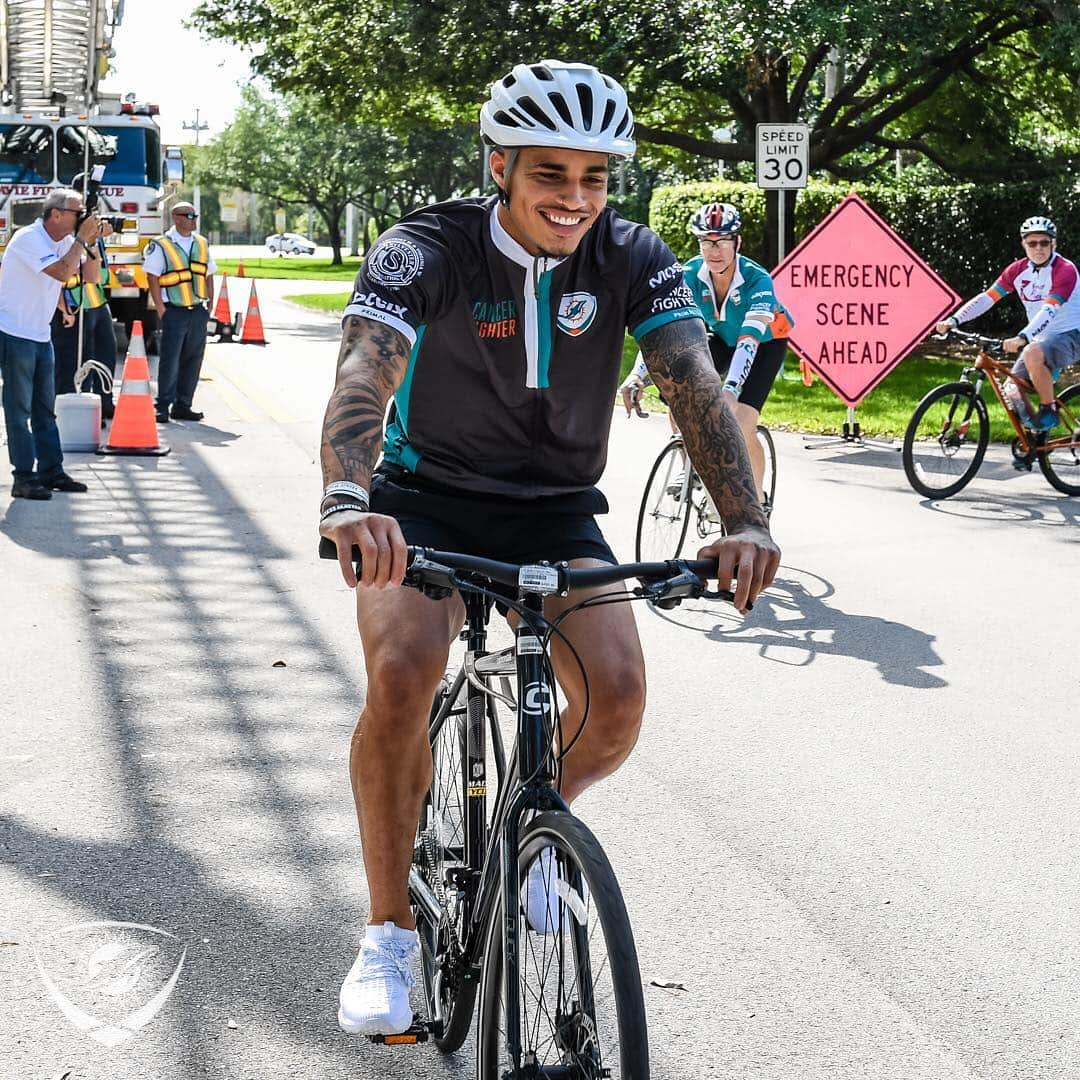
(783, 161)
(861, 300)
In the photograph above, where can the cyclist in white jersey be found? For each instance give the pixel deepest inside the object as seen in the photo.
(497, 326)
(1049, 288)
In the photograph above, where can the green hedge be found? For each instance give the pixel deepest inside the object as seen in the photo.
(966, 232)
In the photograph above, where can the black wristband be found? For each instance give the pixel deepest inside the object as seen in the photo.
(356, 507)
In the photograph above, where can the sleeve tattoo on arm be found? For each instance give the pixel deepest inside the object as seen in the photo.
(678, 359)
(371, 366)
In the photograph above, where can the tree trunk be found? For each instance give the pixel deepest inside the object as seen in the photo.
(332, 216)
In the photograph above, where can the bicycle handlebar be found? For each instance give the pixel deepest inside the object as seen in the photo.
(989, 344)
(672, 579)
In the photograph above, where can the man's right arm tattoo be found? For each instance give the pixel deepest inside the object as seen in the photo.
(371, 366)
(678, 359)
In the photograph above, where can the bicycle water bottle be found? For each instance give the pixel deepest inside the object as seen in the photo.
(1017, 403)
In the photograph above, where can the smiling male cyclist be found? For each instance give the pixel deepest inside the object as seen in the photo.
(497, 327)
(1048, 287)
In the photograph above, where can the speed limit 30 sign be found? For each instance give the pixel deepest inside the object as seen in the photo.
(783, 155)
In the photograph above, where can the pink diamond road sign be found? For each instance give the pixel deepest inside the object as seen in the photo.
(860, 297)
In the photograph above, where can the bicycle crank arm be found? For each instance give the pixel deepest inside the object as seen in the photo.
(420, 1032)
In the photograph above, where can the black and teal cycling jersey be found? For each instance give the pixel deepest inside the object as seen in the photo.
(515, 359)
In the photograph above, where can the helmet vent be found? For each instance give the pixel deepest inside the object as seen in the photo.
(561, 107)
(585, 98)
(542, 73)
(505, 119)
(529, 106)
(510, 80)
(624, 125)
(609, 112)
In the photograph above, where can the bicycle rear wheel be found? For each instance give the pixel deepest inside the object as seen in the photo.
(945, 440)
(664, 515)
(582, 1012)
(1061, 466)
(438, 855)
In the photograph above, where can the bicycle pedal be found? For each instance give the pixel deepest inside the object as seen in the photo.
(420, 1032)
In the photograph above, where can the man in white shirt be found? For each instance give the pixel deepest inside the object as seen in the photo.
(39, 259)
(180, 273)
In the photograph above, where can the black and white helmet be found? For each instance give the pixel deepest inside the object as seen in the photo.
(1038, 224)
(573, 106)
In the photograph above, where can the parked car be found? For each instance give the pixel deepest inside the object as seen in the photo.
(290, 243)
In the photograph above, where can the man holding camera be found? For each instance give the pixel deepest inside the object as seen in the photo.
(180, 273)
(39, 259)
(87, 290)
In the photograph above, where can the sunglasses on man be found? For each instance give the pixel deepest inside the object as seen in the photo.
(190, 217)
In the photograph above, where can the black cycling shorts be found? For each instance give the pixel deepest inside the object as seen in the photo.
(768, 361)
(763, 371)
(552, 528)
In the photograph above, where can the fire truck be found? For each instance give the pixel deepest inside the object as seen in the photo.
(53, 118)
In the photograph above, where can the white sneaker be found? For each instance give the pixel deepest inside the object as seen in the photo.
(542, 891)
(374, 997)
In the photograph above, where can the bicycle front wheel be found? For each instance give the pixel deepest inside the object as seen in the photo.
(1061, 465)
(664, 515)
(581, 1007)
(945, 440)
(768, 480)
(439, 856)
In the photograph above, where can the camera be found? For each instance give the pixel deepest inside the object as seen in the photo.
(90, 188)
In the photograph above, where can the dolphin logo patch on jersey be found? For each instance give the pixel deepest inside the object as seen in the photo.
(576, 313)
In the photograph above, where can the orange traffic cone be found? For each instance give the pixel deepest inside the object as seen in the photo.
(807, 373)
(134, 430)
(240, 269)
(222, 312)
(253, 328)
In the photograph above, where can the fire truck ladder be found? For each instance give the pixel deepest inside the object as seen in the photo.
(53, 52)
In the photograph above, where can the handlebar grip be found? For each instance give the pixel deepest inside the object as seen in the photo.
(327, 548)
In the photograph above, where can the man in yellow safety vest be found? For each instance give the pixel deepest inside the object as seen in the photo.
(180, 273)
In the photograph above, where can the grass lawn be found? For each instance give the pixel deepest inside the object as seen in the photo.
(295, 266)
(334, 303)
(792, 406)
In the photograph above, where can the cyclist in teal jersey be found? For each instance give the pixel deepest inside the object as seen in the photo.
(748, 326)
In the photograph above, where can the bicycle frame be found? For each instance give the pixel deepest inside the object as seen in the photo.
(492, 869)
(995, 372)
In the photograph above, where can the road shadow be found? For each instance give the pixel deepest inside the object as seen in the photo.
(794, 622)
(1044, 510)
(206, 794)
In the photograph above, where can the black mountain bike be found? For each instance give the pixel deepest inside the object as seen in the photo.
(560, 993)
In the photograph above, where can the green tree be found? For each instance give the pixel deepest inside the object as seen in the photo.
(982, 88)
(295, 153)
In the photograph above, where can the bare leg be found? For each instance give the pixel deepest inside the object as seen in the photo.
(606, 639)
(406, 639)
(747, 418)
(1035, 362)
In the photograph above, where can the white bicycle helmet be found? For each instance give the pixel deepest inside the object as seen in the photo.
(1038, 224)
(573, 106)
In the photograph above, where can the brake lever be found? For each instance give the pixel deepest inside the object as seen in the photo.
(673, 591)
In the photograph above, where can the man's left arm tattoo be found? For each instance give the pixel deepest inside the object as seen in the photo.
(677, 356)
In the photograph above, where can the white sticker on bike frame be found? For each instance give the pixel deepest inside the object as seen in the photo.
(538, 579)
(527, 645)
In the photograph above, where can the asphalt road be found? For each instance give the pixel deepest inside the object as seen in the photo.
(849, 829)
